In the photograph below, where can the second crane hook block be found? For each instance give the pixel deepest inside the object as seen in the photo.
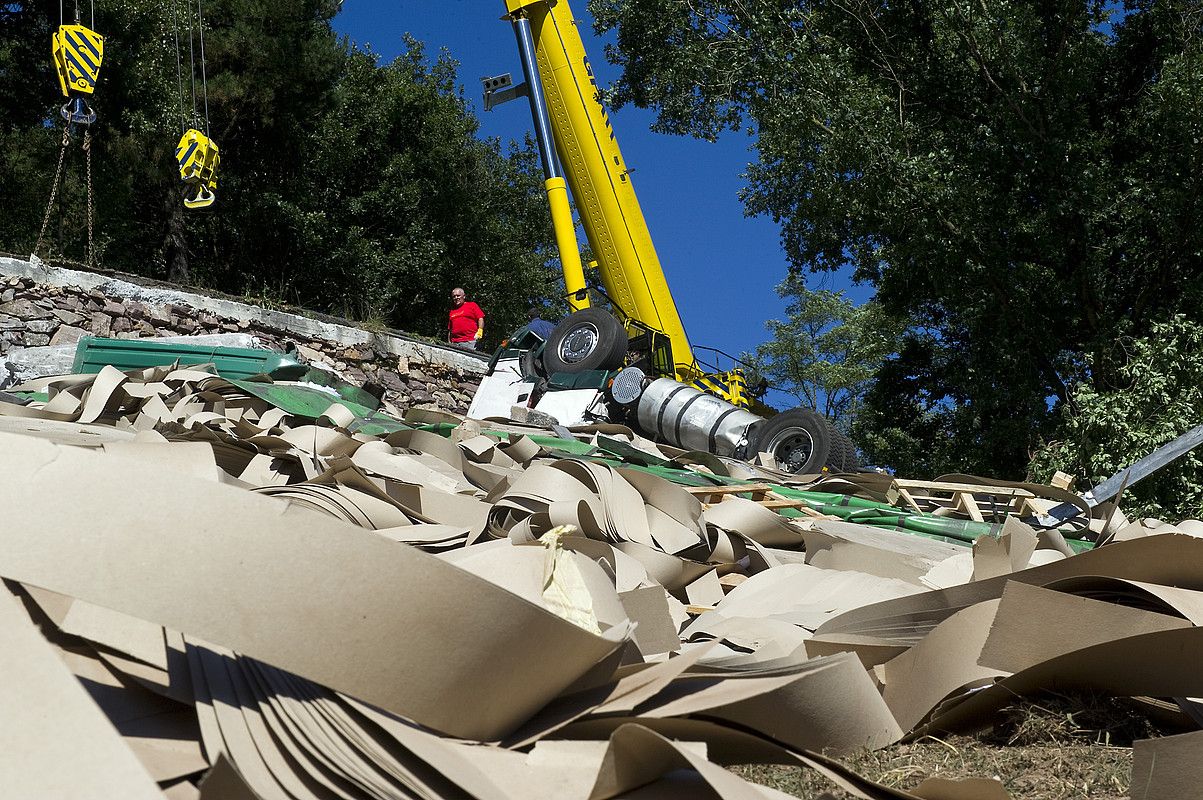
(78, 52)
(198, 158)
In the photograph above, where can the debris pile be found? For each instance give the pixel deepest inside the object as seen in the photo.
(207, 595)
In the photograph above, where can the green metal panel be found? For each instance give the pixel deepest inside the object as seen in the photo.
(310, 403)
(92, 353)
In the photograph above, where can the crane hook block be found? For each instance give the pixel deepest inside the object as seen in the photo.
(77, 53)
(198, 158)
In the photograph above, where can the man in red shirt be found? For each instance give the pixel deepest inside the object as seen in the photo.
(465, 321)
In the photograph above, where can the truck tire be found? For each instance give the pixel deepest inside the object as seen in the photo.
(851, 461)
(585, 340)
(799, 440)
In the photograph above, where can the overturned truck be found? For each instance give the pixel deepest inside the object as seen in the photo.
(632, 363)
(663, 409)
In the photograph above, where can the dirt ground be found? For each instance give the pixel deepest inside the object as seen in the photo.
(1054, 747)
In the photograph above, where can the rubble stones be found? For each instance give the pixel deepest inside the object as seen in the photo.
(24, 309)
(102, 324)
(67, 334)
(391, 381)
(68, 317)
(41, 325)
(159, 318)
(33, 315)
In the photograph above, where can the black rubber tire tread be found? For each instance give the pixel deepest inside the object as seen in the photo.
(848, 462)
(611, 347)
(532, 365)
(851, 458)
(839, 452)
(815, 425)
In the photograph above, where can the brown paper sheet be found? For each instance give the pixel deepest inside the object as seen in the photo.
(1170, 768)
(1167, 560)
(55, 741)
(1034, 625)
(192, 576)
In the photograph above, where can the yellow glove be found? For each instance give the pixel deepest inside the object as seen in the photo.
(480, 332)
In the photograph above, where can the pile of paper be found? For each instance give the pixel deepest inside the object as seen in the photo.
(206, 597)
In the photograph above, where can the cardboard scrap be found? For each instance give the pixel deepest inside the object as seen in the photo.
(56, 742)
(215, 599)
(1170, 767)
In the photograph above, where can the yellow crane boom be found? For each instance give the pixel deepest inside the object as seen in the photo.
(599, 179)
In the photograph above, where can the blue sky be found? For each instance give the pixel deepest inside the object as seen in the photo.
(722, 267)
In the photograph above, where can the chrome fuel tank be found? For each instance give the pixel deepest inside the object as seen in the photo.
(686, 417)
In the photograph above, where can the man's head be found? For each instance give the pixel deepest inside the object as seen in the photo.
(532, 313)
(457, 296)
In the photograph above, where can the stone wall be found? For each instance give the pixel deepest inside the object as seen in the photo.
(50, 313)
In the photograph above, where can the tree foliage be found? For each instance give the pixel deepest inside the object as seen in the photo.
(1157, 397)
(346, 185)
(1022, 182)
(826, 350)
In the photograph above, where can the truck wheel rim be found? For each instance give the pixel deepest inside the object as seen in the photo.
(579, 343)
(791, 448)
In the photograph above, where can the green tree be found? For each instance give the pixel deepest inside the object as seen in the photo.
(1157, 396)
(1019, 181)
(346, 185)
(827, 349)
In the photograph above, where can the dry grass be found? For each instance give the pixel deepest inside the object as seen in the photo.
(1054, 747)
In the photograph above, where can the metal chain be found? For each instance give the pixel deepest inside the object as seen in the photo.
(91, 252)
(58, 174)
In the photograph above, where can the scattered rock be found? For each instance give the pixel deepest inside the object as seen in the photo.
(68, 334)
(24, 309)
(35, 340)
(7, 295)
(122, 325)
(158, 317)
(41, 325)
(102, 324)
(113, 309)
(391, 381)
(68, 317)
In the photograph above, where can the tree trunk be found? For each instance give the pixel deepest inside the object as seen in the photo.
(175, 245)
